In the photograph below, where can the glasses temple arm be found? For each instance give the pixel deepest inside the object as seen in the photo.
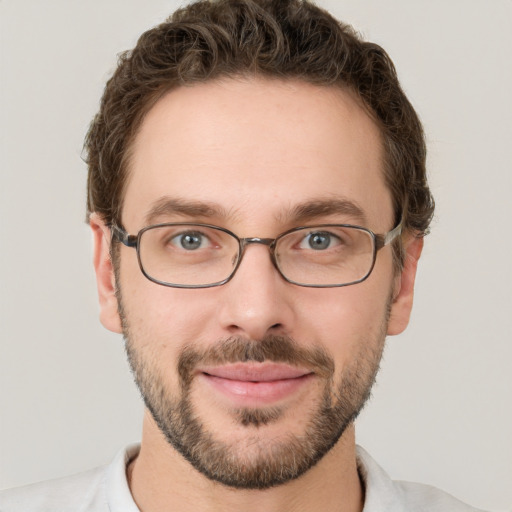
(383, 240)
(122, 236)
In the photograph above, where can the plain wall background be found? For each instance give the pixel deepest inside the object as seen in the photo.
(441, 411)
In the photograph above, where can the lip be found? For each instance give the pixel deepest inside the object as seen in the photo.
(253, 384)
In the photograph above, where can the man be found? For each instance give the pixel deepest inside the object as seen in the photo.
(258, 200)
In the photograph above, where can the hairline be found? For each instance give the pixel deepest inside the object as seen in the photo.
(153, 99)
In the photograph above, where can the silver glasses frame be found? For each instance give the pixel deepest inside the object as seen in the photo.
(379, 241)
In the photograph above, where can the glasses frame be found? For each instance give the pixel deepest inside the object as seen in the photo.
(379, 241)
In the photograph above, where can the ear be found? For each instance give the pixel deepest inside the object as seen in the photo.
(105, 280)
(404, 287)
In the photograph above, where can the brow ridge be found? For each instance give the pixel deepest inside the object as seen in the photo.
(316, 208)
(166, 206)
(299, 214)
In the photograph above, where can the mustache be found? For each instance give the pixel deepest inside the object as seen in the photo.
(278, 349)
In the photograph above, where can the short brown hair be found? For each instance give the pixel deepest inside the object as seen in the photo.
(286, 39)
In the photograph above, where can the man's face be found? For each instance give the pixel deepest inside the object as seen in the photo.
(255, 380)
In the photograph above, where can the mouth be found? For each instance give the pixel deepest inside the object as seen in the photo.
(254, 384)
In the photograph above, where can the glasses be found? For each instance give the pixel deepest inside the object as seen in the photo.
(188, 255)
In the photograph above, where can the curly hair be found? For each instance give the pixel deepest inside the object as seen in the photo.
(285, 39)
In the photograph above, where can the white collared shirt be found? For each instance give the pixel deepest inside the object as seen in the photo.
(105, 489)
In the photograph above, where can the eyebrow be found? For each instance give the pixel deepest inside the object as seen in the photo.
(314, 209)
(303, 212)
(168, 206)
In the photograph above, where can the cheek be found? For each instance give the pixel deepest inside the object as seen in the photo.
(165, 318)
(341, 319)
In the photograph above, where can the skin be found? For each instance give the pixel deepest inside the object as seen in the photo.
(271, 146)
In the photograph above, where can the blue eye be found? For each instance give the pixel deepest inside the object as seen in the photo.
(319, 241)
(190, 241)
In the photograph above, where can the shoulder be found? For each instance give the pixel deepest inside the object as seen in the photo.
(382, 494)
(103, 489)
(425, 498)
(77, 493)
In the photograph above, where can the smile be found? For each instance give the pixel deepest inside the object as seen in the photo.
(253, 384)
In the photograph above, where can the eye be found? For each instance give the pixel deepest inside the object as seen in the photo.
(320, 241)
(190, 240)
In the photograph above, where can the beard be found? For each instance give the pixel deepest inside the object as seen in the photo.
(259, 461)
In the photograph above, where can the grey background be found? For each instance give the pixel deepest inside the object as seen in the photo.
(441, 411)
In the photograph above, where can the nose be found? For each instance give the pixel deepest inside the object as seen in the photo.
(257, 301)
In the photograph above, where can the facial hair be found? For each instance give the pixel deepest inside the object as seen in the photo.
(272, 461)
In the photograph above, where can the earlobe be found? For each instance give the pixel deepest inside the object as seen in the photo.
(105, 279)
(403, 294)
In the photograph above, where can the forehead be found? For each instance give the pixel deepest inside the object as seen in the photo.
(256, 148)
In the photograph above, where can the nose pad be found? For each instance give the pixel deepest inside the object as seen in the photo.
(269, 242)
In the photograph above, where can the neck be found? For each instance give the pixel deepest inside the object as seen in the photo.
(161, 480)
